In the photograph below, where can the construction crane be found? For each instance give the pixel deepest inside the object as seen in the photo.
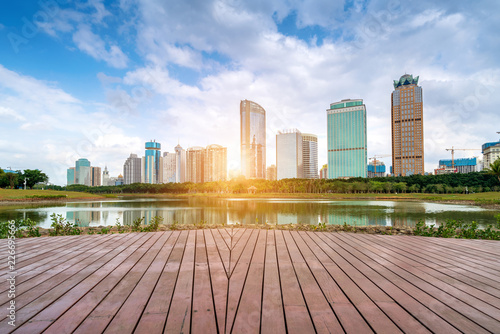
(375, 159)
(452, 149)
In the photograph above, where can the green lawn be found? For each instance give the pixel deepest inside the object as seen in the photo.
(18, 194)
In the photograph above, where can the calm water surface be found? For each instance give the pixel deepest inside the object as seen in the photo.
(251, 211)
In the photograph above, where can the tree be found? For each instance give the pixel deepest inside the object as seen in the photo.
(34, 176)
(495, 169)
(12, 179)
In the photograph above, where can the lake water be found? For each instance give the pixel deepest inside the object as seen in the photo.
(250, 211)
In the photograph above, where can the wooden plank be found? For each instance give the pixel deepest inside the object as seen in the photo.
(53, 275)
(453, 316)
(442, 257)
(238, 276)
(272, 314)
(483, 289)
(30, 291)
(47, 249)
(203, 314)
(100, 317)
(237, 249)
(324, 319)
(466, 294)
(179, 315)
(327, 274)
(58, 300)
(223, 249)
(396, 289)
(248, 314)
(130, 312)
(296, 313)
(218, 277)
(155, 314)
(449, 250)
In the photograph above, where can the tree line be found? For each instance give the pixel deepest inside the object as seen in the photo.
(448, 183)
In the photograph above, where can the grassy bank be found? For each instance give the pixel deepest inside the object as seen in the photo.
(477, 198)
(485, 198)
(28, 195)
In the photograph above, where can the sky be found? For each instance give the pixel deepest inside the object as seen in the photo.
(97, 79)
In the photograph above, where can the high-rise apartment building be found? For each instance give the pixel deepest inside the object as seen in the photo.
(491, 152)
(376, 168)
(253, 140)
(407, 127)
(195, 163)
(215, 163)
(180, 161)
(310, 155)
(271, 173)
(95, 175)
(169, 167)
(132, 169)
(152, 163)
(289, 155)
(346, 132)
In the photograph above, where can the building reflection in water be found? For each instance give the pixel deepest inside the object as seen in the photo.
(255, 211)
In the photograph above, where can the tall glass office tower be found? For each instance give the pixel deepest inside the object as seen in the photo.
(346, 131)
(289, 155)
(407, 127)
(310, 155)
(152, 163)
(253, 140)
(82, 172)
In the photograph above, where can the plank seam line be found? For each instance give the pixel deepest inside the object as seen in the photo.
(159, 276)
(298, 282)
(176, 280)
(410, 283)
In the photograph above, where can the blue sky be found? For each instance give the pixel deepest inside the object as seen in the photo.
(96, 79)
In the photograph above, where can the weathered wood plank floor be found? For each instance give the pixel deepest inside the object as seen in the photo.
(251, 281)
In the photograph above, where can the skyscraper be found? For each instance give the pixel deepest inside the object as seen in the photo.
(132, 169)
(195, 163)
(215, 163)
(310, 155)
(152, 163)
(346, 132)
(180, 167)
(289, 154)
(271, 173)
(169, 167)
(70, 176)
(253, 140)
(407, 127)
(95, 175)
(82, 172)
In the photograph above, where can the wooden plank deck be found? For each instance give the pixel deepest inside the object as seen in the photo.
(254, 281)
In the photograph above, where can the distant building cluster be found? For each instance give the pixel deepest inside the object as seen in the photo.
(83, 173)
(196, 164)
(296, 152)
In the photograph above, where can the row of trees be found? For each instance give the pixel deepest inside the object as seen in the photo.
(17, 180)
(450, 183)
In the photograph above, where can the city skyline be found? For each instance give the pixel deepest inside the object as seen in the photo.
(87, 80)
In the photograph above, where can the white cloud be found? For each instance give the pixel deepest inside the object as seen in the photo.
(94, 46)
(2, 26)
(233, 51)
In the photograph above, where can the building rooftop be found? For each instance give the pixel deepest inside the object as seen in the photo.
(406, 79)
